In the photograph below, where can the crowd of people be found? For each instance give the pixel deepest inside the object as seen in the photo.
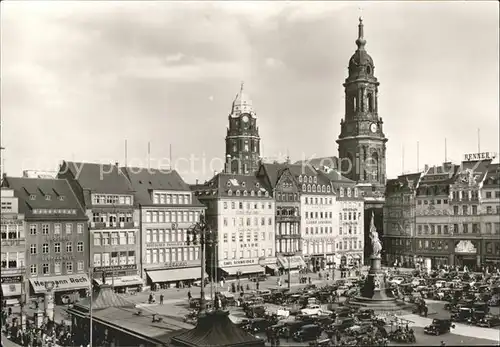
(48, 334)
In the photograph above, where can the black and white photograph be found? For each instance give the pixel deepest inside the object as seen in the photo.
(249, 173)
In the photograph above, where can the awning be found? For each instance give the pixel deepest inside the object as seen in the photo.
(173, 275)
(11, 289)
(243, 269)
(61, 283)
(292, 262)
(121, 281)
(273, 267)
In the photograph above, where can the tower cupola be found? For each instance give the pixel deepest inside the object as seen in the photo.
(242, 104)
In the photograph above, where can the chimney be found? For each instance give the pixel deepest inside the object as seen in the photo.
(426, 168)
(227, 165)
(196, 181)
(116, 164)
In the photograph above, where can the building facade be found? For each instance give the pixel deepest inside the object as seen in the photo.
(399, 219)
(168, 209)
(454, 223)
(241, 214)
(57, 239)
(13, 249)
(319, 222)
(349, 216)
(108, 199)
(280, 179)
(490, 211)
(242, 139)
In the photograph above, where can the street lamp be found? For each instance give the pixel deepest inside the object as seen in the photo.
(49, 300)
(289, 255)
(201, 234)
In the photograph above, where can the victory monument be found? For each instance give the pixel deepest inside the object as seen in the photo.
(376, 293)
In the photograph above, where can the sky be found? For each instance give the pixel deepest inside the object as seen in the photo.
(80, 78)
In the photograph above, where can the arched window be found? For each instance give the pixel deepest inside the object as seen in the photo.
(368, 70)
(318, 188)
(356, 192)
(230, 192)
(237, 193)
(314, 188)
(303, 187)
(310, 179)
(370, 102)
(341, 191)
(349, 192)
(308, 187)
(323, 189)
(328, 189)
(252, 193)
(245, 193)
(259, 193)
(315, 179)
(300, 179)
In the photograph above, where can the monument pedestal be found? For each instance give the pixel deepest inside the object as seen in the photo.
(375, 294)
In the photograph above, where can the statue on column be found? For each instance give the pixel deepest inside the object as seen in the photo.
(376, 244)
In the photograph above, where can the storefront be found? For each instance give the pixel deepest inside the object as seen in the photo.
(123, 278)
(64, 286)
(294, 262)
(12, 289)
(241, 268)
(467, 254)
(174, 274)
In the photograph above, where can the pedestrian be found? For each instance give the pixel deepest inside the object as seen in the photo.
(189, 295)
(257, 285)
(161, 299)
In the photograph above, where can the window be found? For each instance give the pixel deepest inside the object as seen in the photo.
(465, 228)
(45, 229)
(79, 246)
(455, 210)
(69, 228)
(488, 195)
(32, 229)
(69, 247)
(465, 210)
(69, 267)
(33, 248)
(131, 238)
(474, 209)
(80, 265)
(97, 239)
(45, 269)
(45, 248)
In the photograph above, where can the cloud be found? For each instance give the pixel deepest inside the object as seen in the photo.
(174, 57)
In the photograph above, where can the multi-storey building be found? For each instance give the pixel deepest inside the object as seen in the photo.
(242, 139)
(399, 219)
(454, 222)
(13, 249)
(108, 198)
(56, 235)
(241, 213)
(282, 181)
(490, 211)
(168, 210)
(348, 220)
(318, 213)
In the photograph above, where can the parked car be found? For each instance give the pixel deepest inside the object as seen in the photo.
(397, 280)
(307, 333)
(439, 326)
(489, 321)
(314, 310)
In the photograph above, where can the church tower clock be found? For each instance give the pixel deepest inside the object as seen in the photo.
(362, 140)
(242, 139)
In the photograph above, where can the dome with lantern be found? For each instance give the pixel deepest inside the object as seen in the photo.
(360, 63)
(242, 104)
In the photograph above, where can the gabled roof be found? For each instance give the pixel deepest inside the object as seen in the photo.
(330, 162)
(478, 168)
(335, 176)
(216, 329)
(274, 171)
(144, 180)
(48, 194)
(492, 178)
(98, 178)
(222, 183)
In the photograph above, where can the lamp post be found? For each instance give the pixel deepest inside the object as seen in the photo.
(49, 300)
(288, 256)
(201, 234)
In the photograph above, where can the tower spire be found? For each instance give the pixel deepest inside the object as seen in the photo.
(241, 87)
(360, 42)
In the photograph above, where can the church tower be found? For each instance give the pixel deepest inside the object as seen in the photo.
(362, 140)
(242, 139)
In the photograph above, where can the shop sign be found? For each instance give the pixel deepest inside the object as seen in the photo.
(177, 264)
(60, 282)
(58, 257)
(480, 156)
(12, 279)
(57, 238)
(465, 246)
(239, 262)
(116, 268)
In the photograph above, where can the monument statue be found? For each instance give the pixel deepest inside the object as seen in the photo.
(376, 244)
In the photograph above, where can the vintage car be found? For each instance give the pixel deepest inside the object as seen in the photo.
(365, 315)
(488, 321)
(397, 280)
(314, 309)
(439, 326)
(307, 333)
(464, 315)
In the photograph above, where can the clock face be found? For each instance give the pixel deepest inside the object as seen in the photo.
(373, 127)
(245, 119)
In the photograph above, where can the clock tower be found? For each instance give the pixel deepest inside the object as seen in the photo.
(362, 140)
(242, 139)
